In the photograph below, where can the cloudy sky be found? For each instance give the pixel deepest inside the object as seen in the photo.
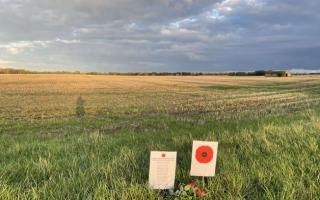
(159, 35)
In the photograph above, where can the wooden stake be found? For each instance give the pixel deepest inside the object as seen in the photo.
(203, 182)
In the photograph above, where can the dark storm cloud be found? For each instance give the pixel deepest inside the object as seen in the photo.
(159, 35)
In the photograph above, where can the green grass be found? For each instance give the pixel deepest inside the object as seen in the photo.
(270, 152)
(283, 87)
(273, 157)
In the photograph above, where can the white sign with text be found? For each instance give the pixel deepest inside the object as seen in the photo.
(162, 169)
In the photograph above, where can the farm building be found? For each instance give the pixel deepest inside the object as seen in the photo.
(278, 74)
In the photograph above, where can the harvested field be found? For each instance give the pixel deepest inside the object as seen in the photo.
(268, 132)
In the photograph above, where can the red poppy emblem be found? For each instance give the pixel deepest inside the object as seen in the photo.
(163, 155)
(204, 154)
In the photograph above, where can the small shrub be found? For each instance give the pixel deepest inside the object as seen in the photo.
(80, 110)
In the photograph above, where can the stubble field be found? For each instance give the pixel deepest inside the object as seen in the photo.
(268, 131)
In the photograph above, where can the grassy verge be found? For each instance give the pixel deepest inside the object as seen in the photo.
(269, 157)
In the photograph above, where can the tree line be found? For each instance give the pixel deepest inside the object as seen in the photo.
(254, 73)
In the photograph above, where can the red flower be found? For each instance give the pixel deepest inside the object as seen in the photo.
(193, 184)
(200, 192)
(204, 154)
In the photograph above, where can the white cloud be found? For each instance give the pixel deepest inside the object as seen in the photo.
(67, 41)
(21, 46)
(6, 62)
(18, 47)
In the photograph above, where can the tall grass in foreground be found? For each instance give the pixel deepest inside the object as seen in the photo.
(273, 157)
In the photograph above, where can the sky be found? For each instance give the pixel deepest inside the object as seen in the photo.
(159, 35)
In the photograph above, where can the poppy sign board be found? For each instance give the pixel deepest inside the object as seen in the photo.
(162, 169)
(204, 158)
